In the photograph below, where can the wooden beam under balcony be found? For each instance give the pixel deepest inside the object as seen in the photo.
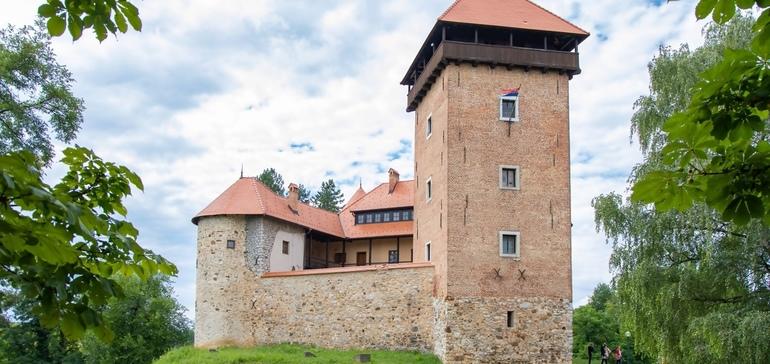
(498, 55)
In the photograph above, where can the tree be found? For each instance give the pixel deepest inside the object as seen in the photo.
(602, 295)
(304, 194)
(692, 283)
(102, 15)
(599, 322)
(61, 245)
(716, 149)
(35, 94)
(147, 322)
(24, 340)
(273, 180)
(329, 197)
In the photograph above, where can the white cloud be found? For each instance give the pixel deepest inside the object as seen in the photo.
(210, 85)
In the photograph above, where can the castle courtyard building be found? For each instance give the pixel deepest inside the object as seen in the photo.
(470, 260)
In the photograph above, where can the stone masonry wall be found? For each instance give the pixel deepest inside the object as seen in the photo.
(221, 281)
(384, 308)
(260, 238)
(476, 330)
(367, 307)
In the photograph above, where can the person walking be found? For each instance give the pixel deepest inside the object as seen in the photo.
(605, 353)
(590, 352)
(618, 355)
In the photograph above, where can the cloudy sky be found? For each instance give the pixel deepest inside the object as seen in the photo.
(312, 89)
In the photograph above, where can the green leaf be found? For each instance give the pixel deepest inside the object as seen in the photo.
(743, 208)
(120, 21)
(56, 26)
(724, 11)
(744, 4)
(704, 8)
(46, 11)
(75, 26)
(72, 327)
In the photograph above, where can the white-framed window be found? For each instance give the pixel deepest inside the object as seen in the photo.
(429, 126)
(509, 108)
(427, 252)
(509, 177)
(510, 244)
(428, 189)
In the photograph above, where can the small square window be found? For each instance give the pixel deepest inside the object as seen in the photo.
(386, 216)
(285, 248)
(359, 218)
(509, 244)
(231, 244)
(427, 252)
(429, 127)
(509, 108)
(378, 217)
(396, 215)
(509, 177)
(428, 189)
(407, 215)
(369, 218)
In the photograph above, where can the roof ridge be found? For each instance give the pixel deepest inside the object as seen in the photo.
(254, 182)
(554, 14)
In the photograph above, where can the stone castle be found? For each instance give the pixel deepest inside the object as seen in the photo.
(470, 260)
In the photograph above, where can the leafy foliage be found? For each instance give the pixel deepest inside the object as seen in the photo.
(100, 15)
(329, 197)
(147, 322)
(273, 180)
(24, 340)
(61, 245)
(35, 94)
(598, 323)
(716, 149)
(693, 282)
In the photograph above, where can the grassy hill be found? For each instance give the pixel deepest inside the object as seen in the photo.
(288, 354)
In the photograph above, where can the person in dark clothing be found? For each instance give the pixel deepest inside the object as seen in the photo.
(590, 352)
(605, 353)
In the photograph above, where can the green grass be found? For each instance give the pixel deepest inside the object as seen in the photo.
(288, 354)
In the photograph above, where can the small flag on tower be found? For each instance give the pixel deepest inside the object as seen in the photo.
(510, 91)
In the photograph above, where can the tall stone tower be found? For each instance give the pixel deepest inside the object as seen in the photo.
(489, 89)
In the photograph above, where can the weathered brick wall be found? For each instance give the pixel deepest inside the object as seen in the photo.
(475, 285)
(478, 209)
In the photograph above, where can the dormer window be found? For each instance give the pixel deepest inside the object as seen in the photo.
(509, 108)
(383, 216)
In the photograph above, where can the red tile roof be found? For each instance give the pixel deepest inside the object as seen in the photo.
(521, 14)
(248, 196)
(379, 198)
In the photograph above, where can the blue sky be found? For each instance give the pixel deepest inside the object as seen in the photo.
(312, 89)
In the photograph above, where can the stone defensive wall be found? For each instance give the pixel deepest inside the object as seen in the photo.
(381, 306)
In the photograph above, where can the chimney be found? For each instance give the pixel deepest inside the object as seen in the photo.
(392, 180)
(294, 197)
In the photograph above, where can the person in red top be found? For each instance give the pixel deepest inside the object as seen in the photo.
(618, 355)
